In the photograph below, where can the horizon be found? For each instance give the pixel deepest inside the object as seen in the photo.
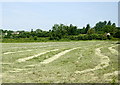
(59, 24)
(43, 15)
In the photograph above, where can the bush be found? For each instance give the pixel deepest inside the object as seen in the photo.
(101, 37)
(35, 37)
(72, 38)
(117, 34)
(80, 37)
(91, 37)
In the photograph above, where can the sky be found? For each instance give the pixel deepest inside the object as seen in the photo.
(43, 15)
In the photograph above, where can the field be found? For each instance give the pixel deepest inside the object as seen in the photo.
(60, 62)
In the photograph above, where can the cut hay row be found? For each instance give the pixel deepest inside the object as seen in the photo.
(108, 76)
(113, 50)
(5, 63)
(104, 62)
(17, 52)
(113, 73)
(51, 59)
(80, 56)
(30, 57)
(31, 49)
(16, 70)
(9, 52)
(57, 56)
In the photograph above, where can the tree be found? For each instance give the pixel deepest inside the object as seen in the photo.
(99, 26)
(55, 27)
(31, 30)
(87, 28)
(114, 25)
(83, 30)
(35, 37)
(117, 34)
(109, 23)
(105, 22)
(91, 31)
(109, 29)
(38, 30)
(72, 30)
(60, 31)
(57, 32)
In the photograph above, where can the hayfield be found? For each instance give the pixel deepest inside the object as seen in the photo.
(60, 62)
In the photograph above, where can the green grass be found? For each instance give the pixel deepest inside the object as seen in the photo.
(61, 70)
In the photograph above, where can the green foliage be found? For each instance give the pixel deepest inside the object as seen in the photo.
(92, 37)
(91, 31)
(117, 34)
(109, 23)
(83, 30)
(109, 29)
(87, 28)
(65, 32)
(98, 27)
(35, 37)
(60, 31)
(114, 25)
(38, 31)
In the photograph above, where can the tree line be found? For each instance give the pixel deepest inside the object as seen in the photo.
(71, 32)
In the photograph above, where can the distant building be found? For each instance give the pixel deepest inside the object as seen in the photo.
(14, 33)
(108, 34)
(6, 33)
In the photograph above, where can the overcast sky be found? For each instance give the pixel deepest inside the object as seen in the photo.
(43, 15)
